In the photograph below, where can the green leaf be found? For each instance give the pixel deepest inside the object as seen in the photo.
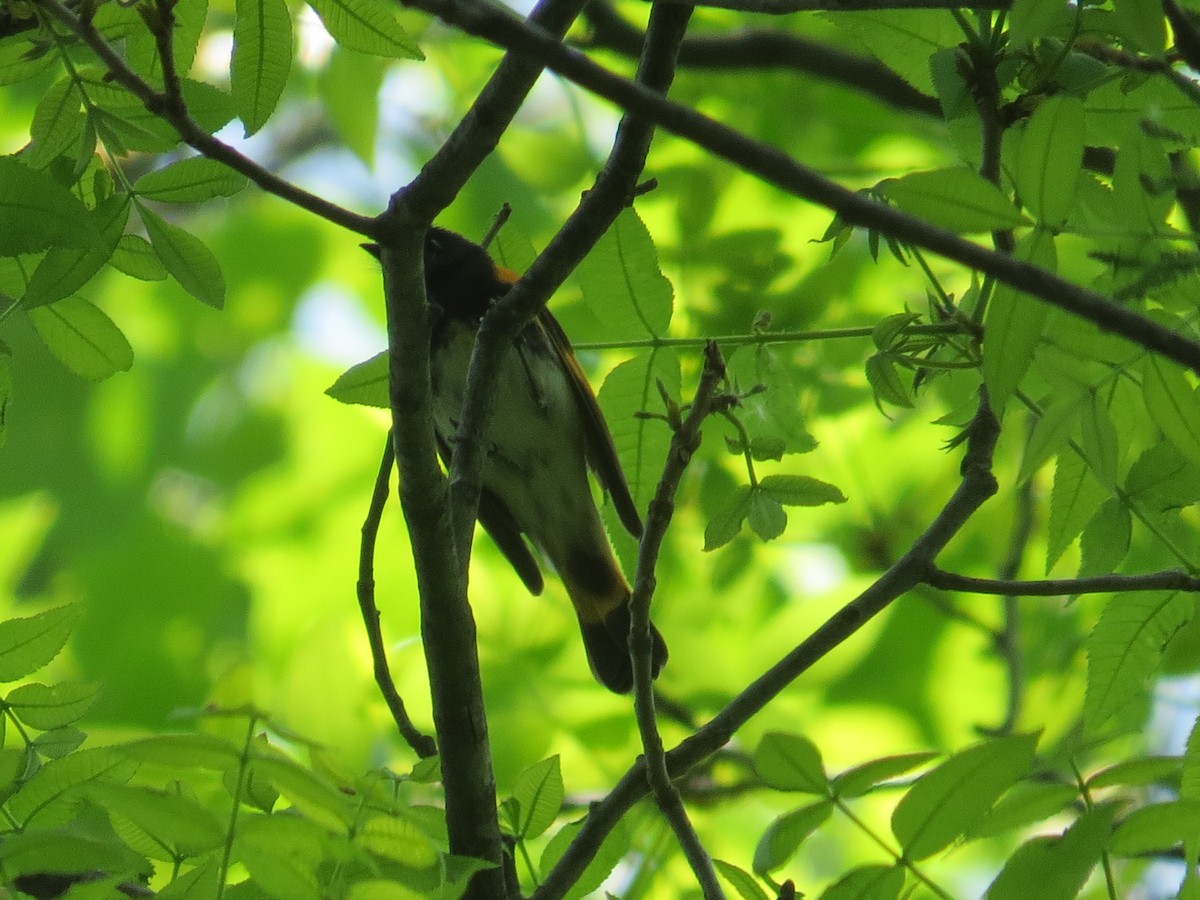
(282, 854)
(1162, 478)
(1026, 804)
(1049, 437)
(1157, 827)
(82, 338)
(1055, 868)
(135, 257)
(45, 707)
(396, 838)
(612, 850)
(1189, 787)
(262, 58)
(365, 383)
(67, 850)
(198, 884)
(6, 392)
(1142, 22)
(1013, 325)
(64, 270)
(622, 283)
(950, 799)
(1074, 499)
(774, 413)
(767, 518)
(743, 882)
(1105, 539)
(539, 795)
(1031, 19)
(885, 381)
(864, 778)
(790, 762)
(161, 825)
(58, 742)
(58, 776)
(1099, 440)
(904, 40)
(57, 123)
(784, 836)
(346, 84)
(726, 524)
(1137, 771)
(192, 180)
(186, 257)
(366, 26)
(201, 751)
(874, 882)
(1125, 647)
(800, 490)
(1050, 159)
(311, 794)
(28, 644)
(1172, 405)
(958, 199)
(36, 212)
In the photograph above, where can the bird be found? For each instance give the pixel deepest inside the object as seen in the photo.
(547, 433)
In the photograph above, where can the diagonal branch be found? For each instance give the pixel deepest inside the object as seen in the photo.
(977, 485)
(1169, 580)
(777, 168)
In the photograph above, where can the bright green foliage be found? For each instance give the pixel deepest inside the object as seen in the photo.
(193, 519)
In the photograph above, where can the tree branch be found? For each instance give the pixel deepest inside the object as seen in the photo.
(192, 134)
(977, 485)
(761, 48)
(775, 167)
(684, 442)
(422, 744)
(1168, 580)
(780, 7)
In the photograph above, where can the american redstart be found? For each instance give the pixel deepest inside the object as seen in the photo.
(546, 434)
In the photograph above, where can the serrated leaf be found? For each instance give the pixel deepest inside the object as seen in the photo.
(885, 381)
(58, 776)
(1055, 868)
(1125, 648)
(57, 123)
(1074, 499)
(395, 838)
(192, 180)
(539, 795)
(1013, 324)
(612, 850)
(262, 58)
(726, 524)
(874, 882)
(622, 283)
(45, 706)
(186, 257)
(136, 258)
(281, 854)
(170, 825)
(1099, 440)
(766, 518)
(866, 777)
(82, 338)
(1050, 435)
(365, 383)
(743, 882)
(956, 198)
(1138, 771)
(1050, 159)
(950, 799)
(1105, 539)
(30, 643)
(800, 490)
(36, 212)
(1026, 804)
(889, 329)
(202, 751)
(64, 270)
(1157, 827)
(784, 836)
(366, 26)
(790, 762)
(1172, 405)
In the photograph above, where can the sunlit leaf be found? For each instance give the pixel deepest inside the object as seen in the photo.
(52, 706)
(790, 762)
(872, 882)
(187, 258)
(1050, 159)
(539, 795)
(365, 383)
(366, 26)
(28, 644)
(82, 338)
(784, 836)
(191, 180)
(955, 198)
(37, 212)
(1055, 868)
(262, 58)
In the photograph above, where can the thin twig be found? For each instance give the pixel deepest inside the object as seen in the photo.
(422, 744)
(684, 442)
(1168, 580)
(497, 25)
(977, 485)
(781, 7)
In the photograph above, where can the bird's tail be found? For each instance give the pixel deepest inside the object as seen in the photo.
(606, 641)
